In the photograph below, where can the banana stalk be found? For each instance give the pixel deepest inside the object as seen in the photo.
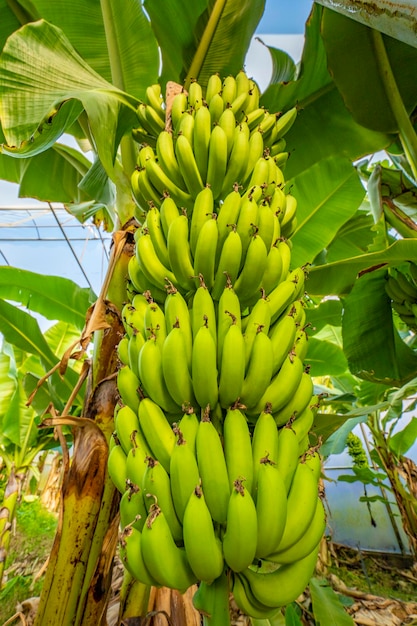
(7, 513)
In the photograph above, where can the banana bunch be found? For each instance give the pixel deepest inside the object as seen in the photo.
(214, 139)
(211, 448)
(402, 289)
(245, 240)
(197, 502)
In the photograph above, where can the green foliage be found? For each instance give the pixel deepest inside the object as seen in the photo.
(327, 608)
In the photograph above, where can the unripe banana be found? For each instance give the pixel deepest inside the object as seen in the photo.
(128, 386)
(152, 377)
(165, 561)
(204, 367)
(184, 474)
(169, 211)
(156, 123)
(229, 89)
(165, 151)
(249, 280)
(217, 160)
(195, 95)
(205, 252)
(136, 459)
(123, 350)
(131, 556)
(285, 584)
(154, 322)
(140, 282)
(136, 342)
(202, 308)
(126, 423)
(154, 270)
(260, 316)
(202, 212)
(227, 121)
(232, 368)
(239, 540)
(273, 270)
(188, 425)
(157, 430)
(266, 224)
(116, 467)
(246, 602)
(179, 106)
(282, 334)
(308, 542)
(256, 150)
(201, 138)
(281, 297)
(238, 448)
(287, 456)
(285, 121)
(271, 508)
(214, 86)
(247, 222)
(238, 106)
(228, 310)
(176, 309)
(302, 501)
(254, 95)
(179, 253)
(255, 117)
(259, 371)
(406, 286)
(188, 165)
(157, 488)
(132, 507)
(282, 386)
(145, 153)
(238, 159)
(213, 469)
(186, 126)
(202, 546)
(298, 403)
(243, 84)
(303, 422)
(143, 190)
(175, 367)
(164, 184)
(264, 443)
(216, 108)
(229, 263)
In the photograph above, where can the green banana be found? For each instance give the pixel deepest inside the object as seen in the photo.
(157, 430)
(287, 457)
(175, 367)
(169, 211)
(136, 459)
(229, 263)
(132, 507)
(202, 545)
(155, 99)
(239, 540)
(227, 216)
(141, 283)
(229, 89)
(128, 386)
(308, 541)
(195, 95)
(256, 149)
(165, 150)
(227, 122)
(156, 487)
(282, 334)
(165, 561)
(213, 470)
(188, 165)
(201, 140)
(202, 212)
(216, 108)
(116, 467)
(259, 372)
(285, 121)
(186, 126)
(246, 602)
(266, 224)
(184, 474)
(164, 184)
(214, 86)
(273, 269)
(283, 385)
(298, 403)
(179, 106)
(249, 280)
(123, 350)
(285, 584)
(143, 190)
(151, 375)
(232, 367)
(271, 508)
(154, 323)
(131, 555)
(247, 223)
(205, 252)
(228, 310)
(237, 160)
(177, 311)
(264, 443)
(259, 316)
(152, 267)
(188, 426)
(279, 298)
(126, 423)
(180, 254)
(204, 368)
(203, 311)
(217, 160)
(238, 448)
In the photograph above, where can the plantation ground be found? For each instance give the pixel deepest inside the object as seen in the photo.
(378, 590)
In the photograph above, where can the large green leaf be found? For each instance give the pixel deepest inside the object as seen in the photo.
(324, 126)
(402, 441)
(325, 358)
(327, 312)
(338, 278)
(114, 38)
(8, 23)
(361, 75)
(54, 297)
(200, 38)
(42, 78)
(65, 166)
(283, 67)
(61, 336)
(327, 608)
(328, 195)
(8, 383)
(372, 345)
(352, 239)
(18, 423)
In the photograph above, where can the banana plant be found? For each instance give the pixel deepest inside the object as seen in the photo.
(65, 70)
